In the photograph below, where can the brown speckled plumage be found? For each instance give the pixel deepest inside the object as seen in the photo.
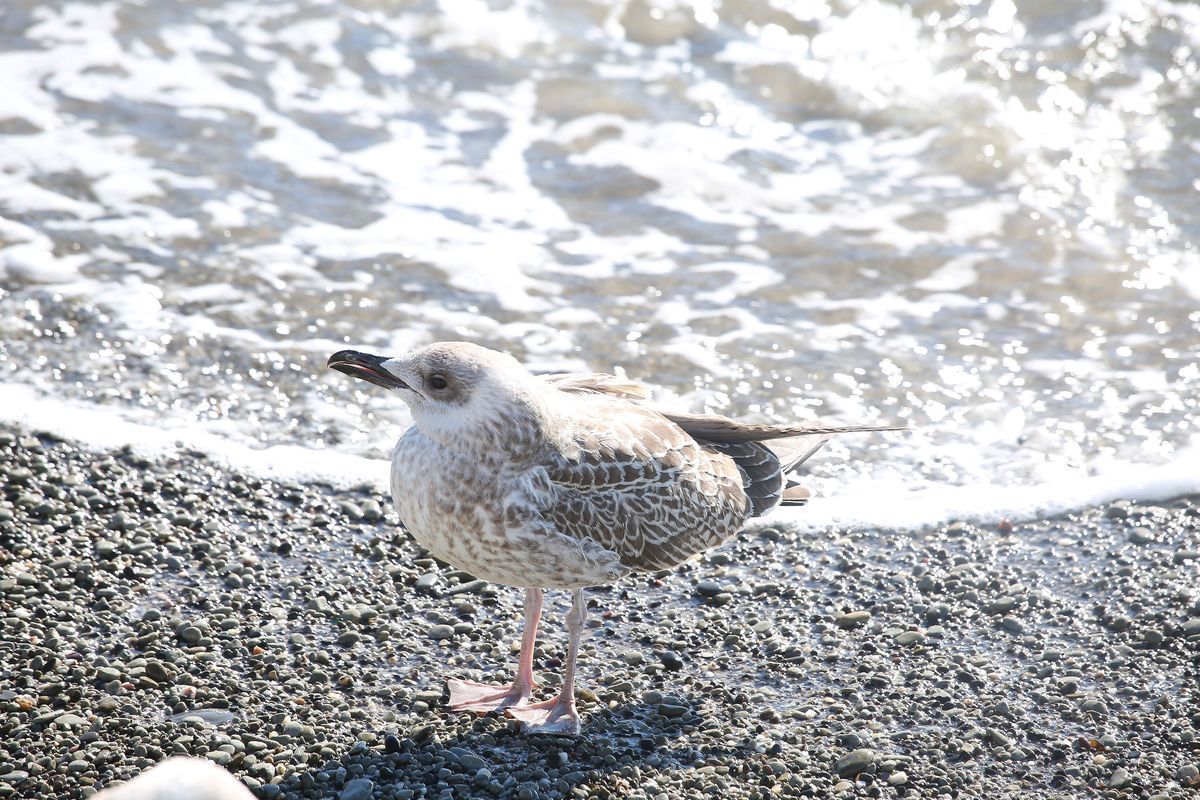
(637, 484)
(567, 481)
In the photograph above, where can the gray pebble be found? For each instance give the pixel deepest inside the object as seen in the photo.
(157, 672)
(358, 789)
(1141, 536)
(671, 660)
(852, 619)
(998, 738)
(1118, 510)
(438, 632)
(470, 587)
(69, 720)
(854, 762)
(1002, 605)
(471, 762)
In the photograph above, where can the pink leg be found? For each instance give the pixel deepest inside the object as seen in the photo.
(471, 696)
(559, 715)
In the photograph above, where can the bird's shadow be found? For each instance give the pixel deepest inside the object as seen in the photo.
(457, 755)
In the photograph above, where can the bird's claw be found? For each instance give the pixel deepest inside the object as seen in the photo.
(484, 697)
(551, 716)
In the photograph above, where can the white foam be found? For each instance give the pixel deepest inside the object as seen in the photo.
(475, 25)
(108, 428)
(954, 275)
(34, 262)
(893, 505)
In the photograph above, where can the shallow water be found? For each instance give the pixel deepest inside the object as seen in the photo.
(979, 219)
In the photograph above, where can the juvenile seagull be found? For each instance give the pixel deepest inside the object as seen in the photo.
(566, 481)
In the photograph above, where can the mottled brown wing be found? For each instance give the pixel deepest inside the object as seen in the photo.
(637, 484)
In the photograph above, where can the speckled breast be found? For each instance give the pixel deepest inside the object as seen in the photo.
(452, 506)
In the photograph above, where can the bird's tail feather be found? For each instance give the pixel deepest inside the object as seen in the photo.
(795, 451)
(716, 428)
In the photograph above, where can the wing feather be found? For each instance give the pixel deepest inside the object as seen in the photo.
(657, 487)
(762, 474)
(637, 484)
(716, 428)
(598, 383)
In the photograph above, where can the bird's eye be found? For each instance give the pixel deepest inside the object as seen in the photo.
(438, 381)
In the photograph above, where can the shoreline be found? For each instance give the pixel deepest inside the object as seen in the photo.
(293, 634)
(858, 503)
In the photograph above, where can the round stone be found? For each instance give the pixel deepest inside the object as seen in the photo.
(439, 632)
(358, 789)
(852, 619)
(854, 762)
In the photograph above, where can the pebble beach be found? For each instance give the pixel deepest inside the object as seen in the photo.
(294, 635)
(973, 218)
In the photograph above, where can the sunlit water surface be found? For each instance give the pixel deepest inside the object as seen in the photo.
(976, 218)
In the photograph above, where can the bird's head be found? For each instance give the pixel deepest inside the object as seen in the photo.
(454, 389)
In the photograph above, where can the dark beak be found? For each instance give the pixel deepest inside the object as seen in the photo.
(365, 367)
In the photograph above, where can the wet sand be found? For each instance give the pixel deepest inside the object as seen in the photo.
(296, 636)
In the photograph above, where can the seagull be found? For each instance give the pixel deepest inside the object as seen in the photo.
(567, 481)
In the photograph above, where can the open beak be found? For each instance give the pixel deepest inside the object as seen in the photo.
(365, 367)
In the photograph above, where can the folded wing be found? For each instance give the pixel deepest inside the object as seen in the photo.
(637, 484)
(763, 455)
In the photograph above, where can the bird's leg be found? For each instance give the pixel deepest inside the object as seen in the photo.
(559, 715)
(471, 696)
